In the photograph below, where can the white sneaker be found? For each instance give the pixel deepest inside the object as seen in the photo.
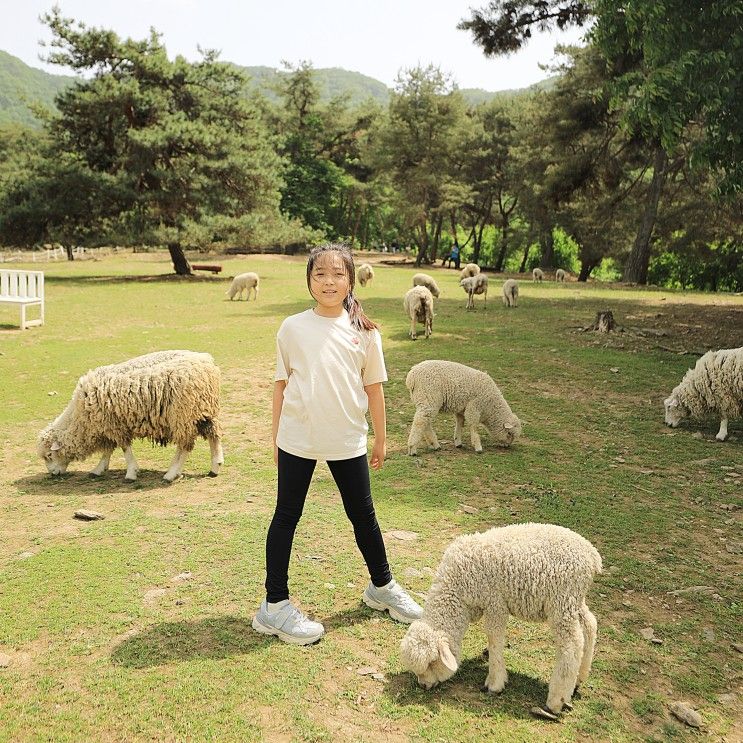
(395, 599)
(288, 624)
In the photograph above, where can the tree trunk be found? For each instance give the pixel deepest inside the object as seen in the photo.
(180, 262)
(547, 241)
(636, 269)
(503, 246)
(522, 267)
(70, 254)
(356, 222)
(585, 269)
(436, 238)
(422, 244)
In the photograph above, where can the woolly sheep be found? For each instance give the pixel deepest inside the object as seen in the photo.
(166, 396)
(418, 303)
(423, 279)
(248, 281)
(536, 572)
(365, 274)
(713, 387)
(560, 275)
(470, 394)
(471, 269)
(537, 274)
(477, 284)
(511, 293)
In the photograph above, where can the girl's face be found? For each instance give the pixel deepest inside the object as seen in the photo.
(329, 283)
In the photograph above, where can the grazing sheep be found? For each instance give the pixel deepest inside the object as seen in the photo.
(470, 394)
(365, 274)
(166, 396)
(511, 293)
(470, 269)
(537, 274)
(477, 284)
(537, 572)
(713, 387)
(418, 303)
(560, 275)
(423, 279)
(248, 281)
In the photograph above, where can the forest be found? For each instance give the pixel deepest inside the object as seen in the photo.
(629, 167)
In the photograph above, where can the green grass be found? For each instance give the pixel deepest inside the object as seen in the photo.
(98, 652)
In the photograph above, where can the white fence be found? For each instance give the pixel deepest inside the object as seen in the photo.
(54, 253)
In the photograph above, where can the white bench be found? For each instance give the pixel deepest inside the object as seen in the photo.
(24, 289)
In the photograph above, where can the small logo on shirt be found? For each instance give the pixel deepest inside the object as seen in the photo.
(355, 341)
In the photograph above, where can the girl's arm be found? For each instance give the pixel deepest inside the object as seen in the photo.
(379, 423)
(278, 402)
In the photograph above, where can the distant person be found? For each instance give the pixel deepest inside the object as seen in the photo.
(454, 256)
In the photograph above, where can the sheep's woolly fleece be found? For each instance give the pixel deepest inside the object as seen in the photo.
(423, 279)
(364, 274)
(471, 269)
(242, 281)
(418, 304)
(510, 292)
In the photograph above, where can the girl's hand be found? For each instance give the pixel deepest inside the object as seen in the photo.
(379, 452)
(276, 455)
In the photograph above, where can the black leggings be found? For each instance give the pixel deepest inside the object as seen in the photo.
(352, 478)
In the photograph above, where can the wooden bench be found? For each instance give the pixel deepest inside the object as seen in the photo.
(23, 289)
(213, 267)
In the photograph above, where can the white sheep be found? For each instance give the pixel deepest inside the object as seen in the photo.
(537, 572)
(244, 281)
(423, 279)
(477, 284)
(470, 394)
(166, 396)
(418, 303)
(470, 269)
(537, 274)
(713, 387)
(560, 275)
(365, 274)
(511, 293)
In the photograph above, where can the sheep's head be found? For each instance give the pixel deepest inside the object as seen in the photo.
(51, 449)
(426, 652)
(675, 411)
(506, 432)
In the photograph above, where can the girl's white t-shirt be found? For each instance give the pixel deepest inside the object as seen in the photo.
(326, 363)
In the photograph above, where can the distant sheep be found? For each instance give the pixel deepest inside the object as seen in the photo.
(365, 274)
(511, 293)
(537, 274)
(423, 279)
(418, 303)
(471, 395)
(471, 269)
(244, 281)
(477, 284)
(560, 275)
(166, 396)
(536, 572)
(713, 387)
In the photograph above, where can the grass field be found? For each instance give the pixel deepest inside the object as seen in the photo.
(108, 640)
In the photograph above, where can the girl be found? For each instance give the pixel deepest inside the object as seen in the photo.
(329, 370)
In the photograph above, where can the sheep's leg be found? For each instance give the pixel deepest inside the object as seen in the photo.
(215, 446)
(569, 641)
(589, 626)
(131, 464)
(722, 434)
(459, 417)
(176, 466)
(430, 436)
(102, 466)
(472, 420)
(495, 629)
(413, 332)
(422, 420)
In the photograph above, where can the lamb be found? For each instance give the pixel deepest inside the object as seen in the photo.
(560, 275)
(470, 394)
(418, 303)
(166, 396)
(423, 279)
(248, 281)
(713, 387)
(477, 284)
(471, 269)
(365, 274)
(537, 572)
(537, 274)
(511, 293)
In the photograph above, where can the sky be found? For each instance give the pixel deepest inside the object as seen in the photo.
(377, 37)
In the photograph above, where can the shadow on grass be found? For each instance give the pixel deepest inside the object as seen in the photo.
(83, 483)
(213, 638)
(348, 617)
(463, 691)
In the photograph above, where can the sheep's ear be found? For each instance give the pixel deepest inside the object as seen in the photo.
(446, 656)
(56, 446)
